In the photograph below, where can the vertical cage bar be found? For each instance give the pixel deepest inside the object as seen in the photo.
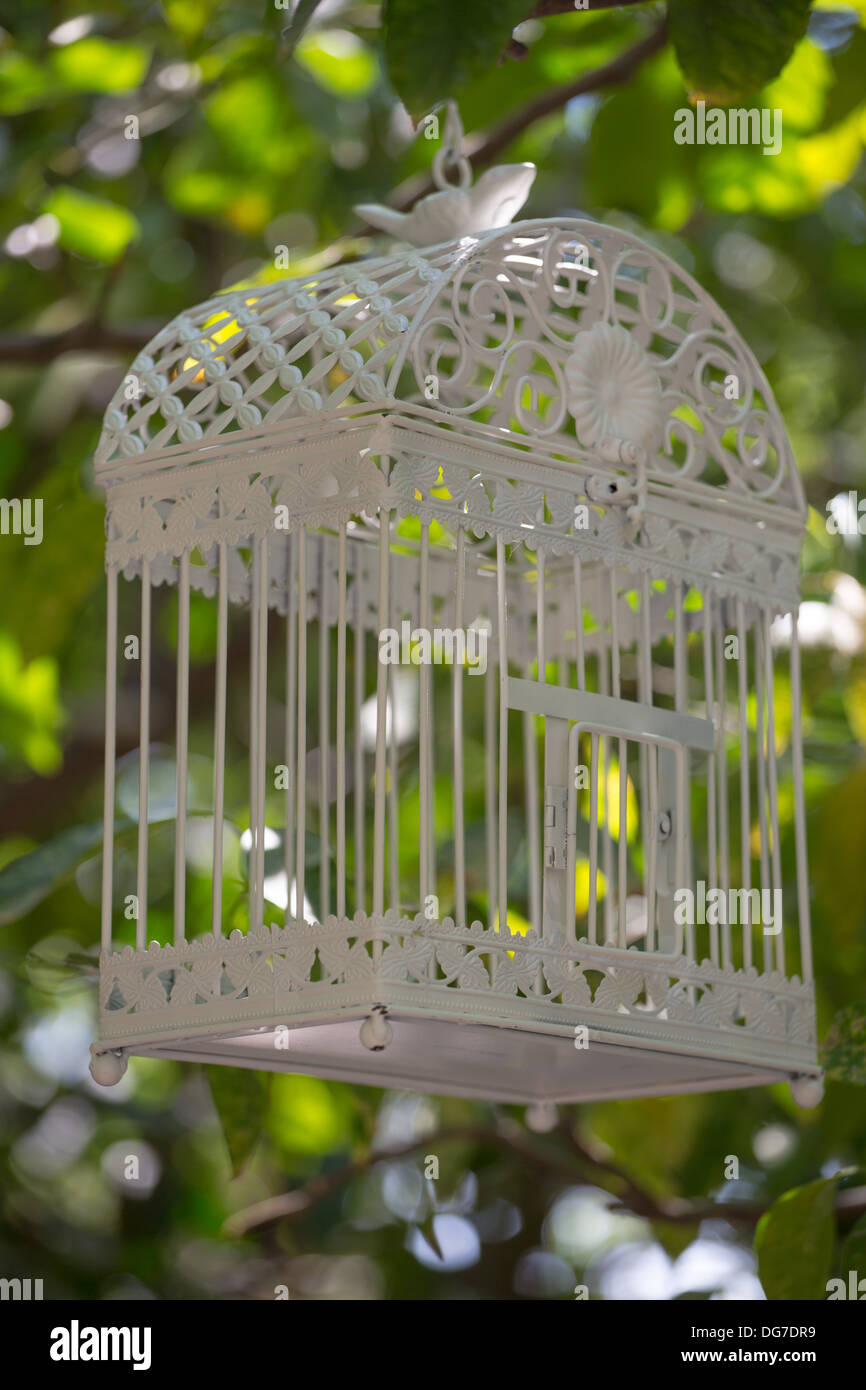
(761, 777)
(381, 724)
(681, 700)
(502, 851)
(712, 865)
(341, 721)
(110, 755)
(772, 766)
(606, 839)
(490, 679)
(301, 781)
(360, 685)
(219, 738)
(724, 838)
(592, 912)
(530, 744)
(649, 766)
(181, 748)
(324, 732)
(799, 803)
(457, 679)
(745, 817)
(393, 788)
(580, 653)
(255, 770)
(291, 710)
(530, 780)
(143, 760)
(424, 678)
(261, 724)
(622, 768)
(539, 616)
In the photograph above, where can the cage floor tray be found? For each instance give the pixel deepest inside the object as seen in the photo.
(441, 1057)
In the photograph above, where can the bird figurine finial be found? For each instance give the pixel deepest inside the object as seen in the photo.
(456, 210)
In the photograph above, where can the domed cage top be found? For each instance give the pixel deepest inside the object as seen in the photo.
(485, 587)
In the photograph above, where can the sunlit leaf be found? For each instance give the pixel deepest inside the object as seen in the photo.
(95, 64)
(89, 226)
(308, 1115)
(23, 83)
(730, 51)
(339, 61)
(794, 1242)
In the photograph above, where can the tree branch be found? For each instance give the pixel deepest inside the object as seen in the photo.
(584, 1164)
(619, 70)
(37, 349)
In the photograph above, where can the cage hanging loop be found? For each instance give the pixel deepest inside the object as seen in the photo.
(450, 155)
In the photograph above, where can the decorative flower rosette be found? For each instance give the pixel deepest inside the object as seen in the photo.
(614, 392)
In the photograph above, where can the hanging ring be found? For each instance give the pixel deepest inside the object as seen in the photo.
(449, 158)
(449, 155)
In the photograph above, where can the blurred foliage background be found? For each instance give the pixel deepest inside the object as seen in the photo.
(257, 129)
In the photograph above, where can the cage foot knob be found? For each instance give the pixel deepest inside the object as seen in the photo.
(807, 1091)
(541, 1116)
(376, 1031)
(107, 1068)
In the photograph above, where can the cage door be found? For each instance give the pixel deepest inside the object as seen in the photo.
(658, 741)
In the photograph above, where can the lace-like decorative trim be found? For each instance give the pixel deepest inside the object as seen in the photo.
(475, 969)
(456, 482)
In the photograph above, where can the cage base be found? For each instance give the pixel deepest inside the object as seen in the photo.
(511, 1065)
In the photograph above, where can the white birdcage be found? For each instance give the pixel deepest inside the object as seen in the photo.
(548, 444)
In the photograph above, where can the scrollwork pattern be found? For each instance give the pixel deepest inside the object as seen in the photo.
(478, 331)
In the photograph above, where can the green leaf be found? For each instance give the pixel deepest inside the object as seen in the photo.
(844, 1052)
(652, 177)
(310, 1116)
(340, 62)
(729, 51)
(89, 226)
(674, 1237)
(99, 65)
(23, 84)
(853, 1252)
(241, 1098)
(26, 881)
(794, 1242)
(30, 712)
(432, 52)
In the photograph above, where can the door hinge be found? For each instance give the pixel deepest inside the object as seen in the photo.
(555, 827)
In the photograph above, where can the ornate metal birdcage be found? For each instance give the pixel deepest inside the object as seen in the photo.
(486, 761)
